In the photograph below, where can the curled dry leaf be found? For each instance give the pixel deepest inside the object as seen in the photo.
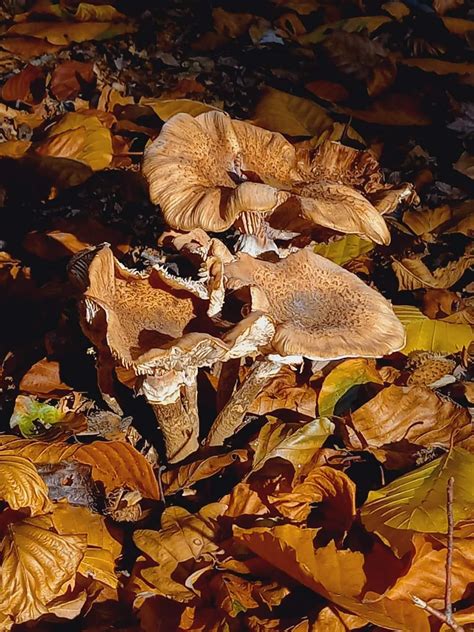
(286, 393)
(414, 414)
(21, 486)
(187, 475)
(184, 546)
(114, 463)
(331, 490)
(44, 379)
(413, 274)
(244, 501)
(38, 566)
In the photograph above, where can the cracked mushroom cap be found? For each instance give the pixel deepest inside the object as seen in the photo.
(320, 310)
(209, 171)
(154, 323)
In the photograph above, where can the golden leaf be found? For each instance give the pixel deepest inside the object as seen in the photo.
(412, 274)
(184, 546)
(232, 593)
(282, 112)
(64, 33)
(21, 486)
(417, 500)
(426, 220)
(38, 566)
(344, 249)
(114, 463)
(295, 443)
(14, 148)
(424, 334)
(166, 108)
(344, 377)
(415, 414)
(350, 25)
(243, 500)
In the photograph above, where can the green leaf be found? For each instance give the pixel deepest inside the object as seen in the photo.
(417, 500)
(425, 334)
(29, 412)
(341, 379)
(345, 249)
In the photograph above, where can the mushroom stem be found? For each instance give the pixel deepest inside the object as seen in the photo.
(254, 239)
(229, 420)
(179, 423)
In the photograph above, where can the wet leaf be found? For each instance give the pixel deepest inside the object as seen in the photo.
(342, 379)
(21, 486)
(417, 500)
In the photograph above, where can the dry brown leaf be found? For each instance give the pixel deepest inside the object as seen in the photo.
(331, 619)
(231, 24)
(328, 90)
(332, 491)
(38, 566)
(27, 86)
(70, 78)
(413, 274)
(426, 220)
(187, 475)
(28, 47)
(443, 6)
(184, 547)
(244, 501)
(285, 392)
(44, 379)
(233, 594)
(393, 109)
(414, 414)
(21, 486)
(440, 303)
(114, 463)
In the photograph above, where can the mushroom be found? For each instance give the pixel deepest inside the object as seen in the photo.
(157, 328)
(320, 312)
(212, 172)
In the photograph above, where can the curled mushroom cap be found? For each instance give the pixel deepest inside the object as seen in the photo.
(207, 172)
(320, 310)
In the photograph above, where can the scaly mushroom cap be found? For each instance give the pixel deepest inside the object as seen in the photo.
(320, 310)
(206, 171)
(156, 323)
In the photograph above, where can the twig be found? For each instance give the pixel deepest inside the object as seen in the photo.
(448, 605)
(446, 616)
(438, 614)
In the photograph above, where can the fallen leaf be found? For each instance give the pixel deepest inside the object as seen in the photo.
(415, 414)
(282, 112)
(426, 220)
(392, 108)
(424, 334)
(439, 66)
(291, 442)
(344, 377)
(284, 392)
(231, 24)
(350, 25)
(14, 148)
(344, 249)
(244, 501)
(70, 78)
(26, 86)
(233, 594)
(328, 90)
(29, 413)
(465, 164)
(44, 379)
(21, 486)
(413, 274)
(166, 108)
(64, 33)
(417, 500)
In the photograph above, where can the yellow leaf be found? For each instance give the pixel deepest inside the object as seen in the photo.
(166, 108)
(439, 66)
(342, 378)
(86, 12)
(21, 486)
(369, 23)
(396, 9)
(295, 443)
(38, 566)
(282, 112)
(344, 249)
(417, 500)
(458, 26)
(14, 148)
(63, 33)
(425, 334)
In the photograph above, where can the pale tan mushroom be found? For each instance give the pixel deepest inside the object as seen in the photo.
(212, 172)
(320, 312)
(158, 327)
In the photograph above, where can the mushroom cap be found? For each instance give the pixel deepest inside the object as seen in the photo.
(320, 310)
(156, 323)
(206, 171)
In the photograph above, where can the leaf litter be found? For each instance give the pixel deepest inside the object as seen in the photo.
(236, 369)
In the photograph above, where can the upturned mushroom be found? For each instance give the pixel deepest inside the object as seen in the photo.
(157, 327)
(213, 172)
(320, 312)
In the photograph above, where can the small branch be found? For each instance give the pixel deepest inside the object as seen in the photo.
(448, 605)
(438, 614)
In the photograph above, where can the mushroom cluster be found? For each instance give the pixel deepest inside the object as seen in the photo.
(155, 330)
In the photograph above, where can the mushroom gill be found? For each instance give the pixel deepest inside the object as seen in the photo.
(210, 171)
(157, 326)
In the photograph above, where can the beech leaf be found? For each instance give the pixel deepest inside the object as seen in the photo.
(21, 486)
